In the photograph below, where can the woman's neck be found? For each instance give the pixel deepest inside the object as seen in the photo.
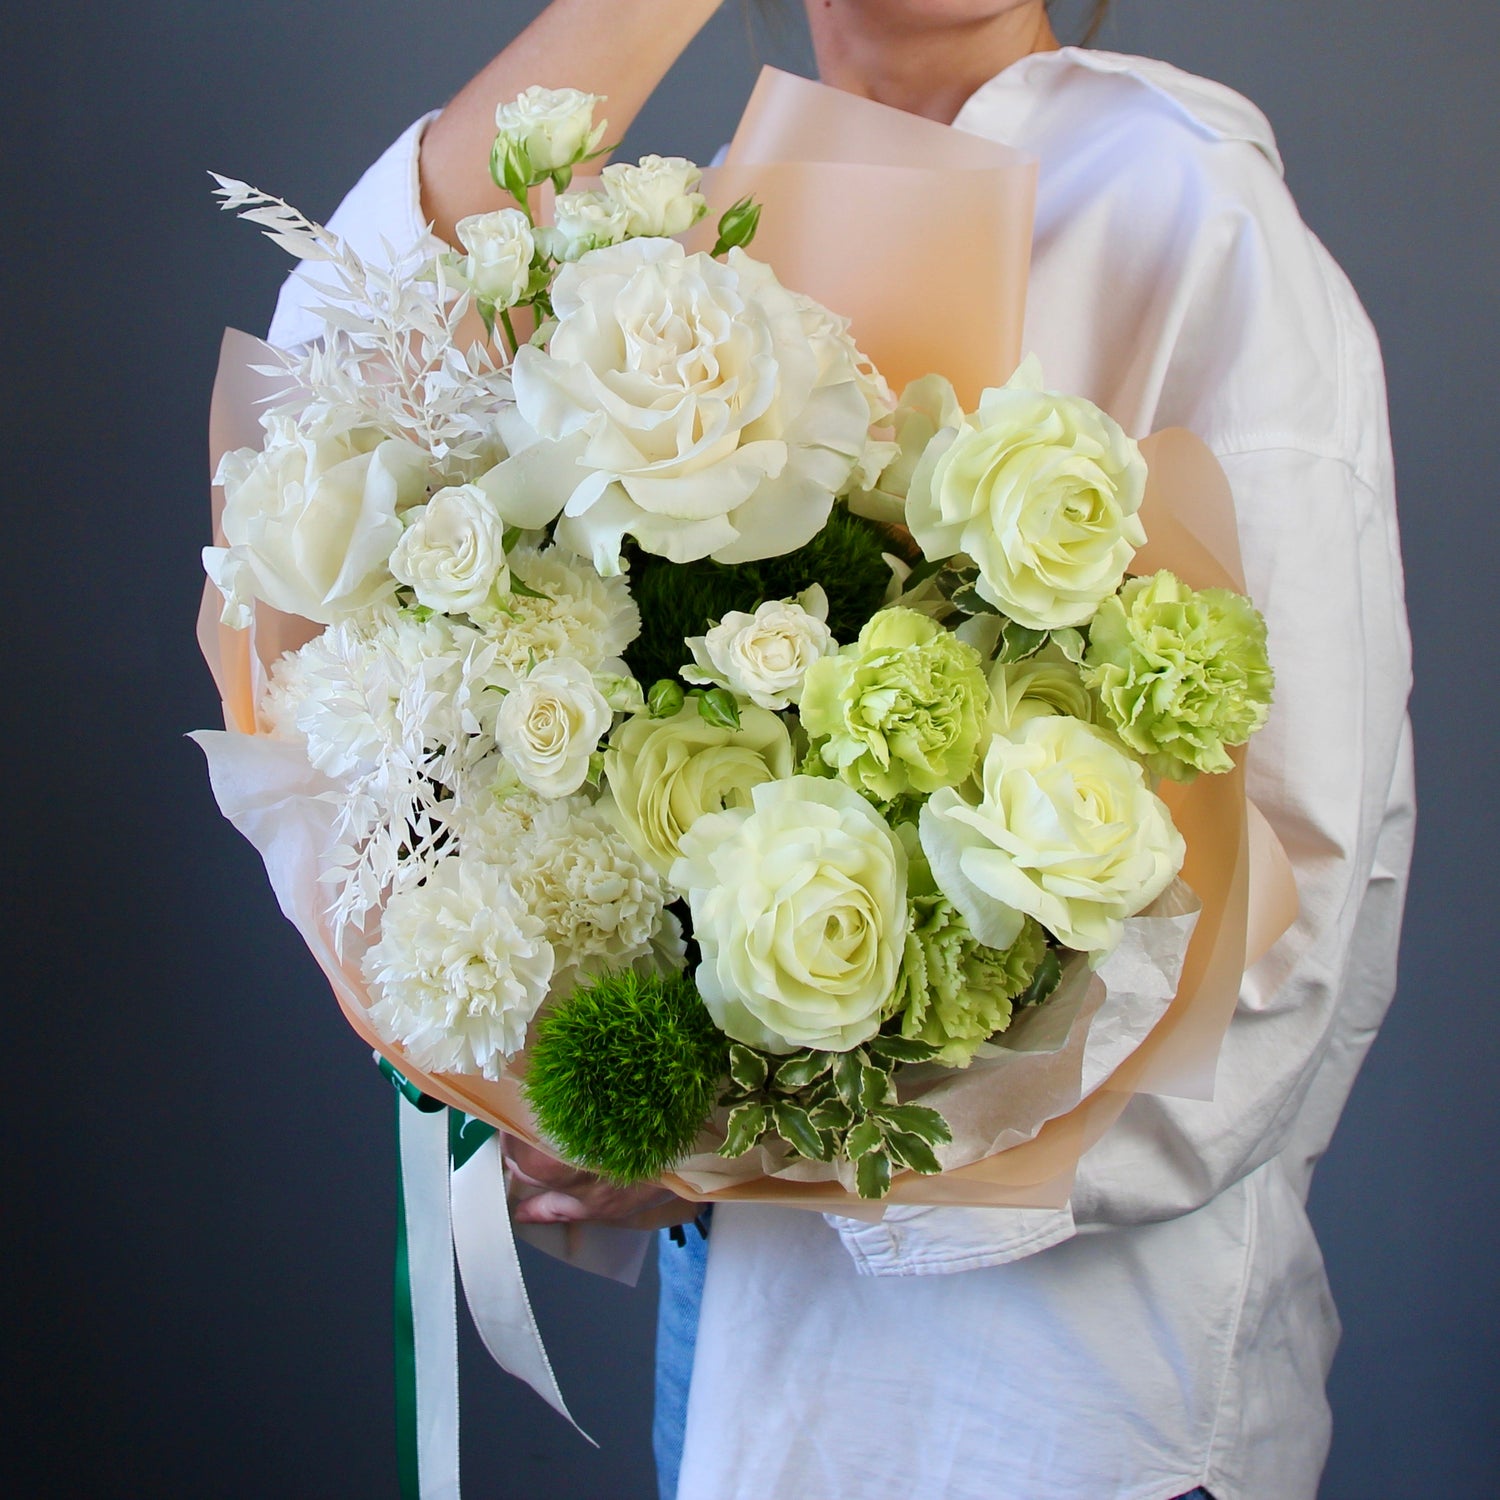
(880, 50)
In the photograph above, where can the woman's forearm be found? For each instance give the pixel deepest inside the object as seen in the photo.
(618, 48)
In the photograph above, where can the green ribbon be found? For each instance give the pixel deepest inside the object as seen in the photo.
(466, 1135)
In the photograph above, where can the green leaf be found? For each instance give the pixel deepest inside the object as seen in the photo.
(831, 1114)
(875, 1088)
(967, 599)
(718, 707)
(665, 699)
(511, 536)
(795, 1127)
(799, 1070)
(1072, 644)
(873, 1175)
(1046, 979)
(929, 567)
(848, 1070)
(912, 1151)
(747, 1067)
(525, 590)
(904, 1049)
(918, 1120)
(1018, 642)
(747, 1123)
(867, 1136)
(562, 179)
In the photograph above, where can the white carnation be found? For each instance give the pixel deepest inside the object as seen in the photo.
(460, 969)
(600, 904)
(581, 616)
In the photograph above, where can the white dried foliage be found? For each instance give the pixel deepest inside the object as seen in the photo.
(391, 347)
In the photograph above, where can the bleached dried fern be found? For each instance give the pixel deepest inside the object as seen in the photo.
(390, 349)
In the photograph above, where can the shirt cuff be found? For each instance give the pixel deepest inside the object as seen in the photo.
(384, 208)
(914, 1240)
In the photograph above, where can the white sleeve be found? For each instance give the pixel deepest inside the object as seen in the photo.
(1332, 773)
(382, 213)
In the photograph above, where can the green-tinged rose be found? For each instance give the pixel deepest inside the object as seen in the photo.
(1180, 674)
(1041, 491)
(1066, 831)
(799, 907)
(926, 407)
(1044, 684)
(900, 710)
(665, 774)
(955, 993)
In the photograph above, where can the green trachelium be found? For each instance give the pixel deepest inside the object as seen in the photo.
(624, 1074)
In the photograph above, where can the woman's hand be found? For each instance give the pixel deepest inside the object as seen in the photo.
(547, 1191)
(619, 48)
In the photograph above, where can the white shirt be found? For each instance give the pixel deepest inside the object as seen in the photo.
(1172, 1327)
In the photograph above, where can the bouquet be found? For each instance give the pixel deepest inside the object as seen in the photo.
(683, 750)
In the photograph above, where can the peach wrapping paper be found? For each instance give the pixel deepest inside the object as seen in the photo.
(844, 227)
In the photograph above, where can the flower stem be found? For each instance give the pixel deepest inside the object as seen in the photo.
(510, 331)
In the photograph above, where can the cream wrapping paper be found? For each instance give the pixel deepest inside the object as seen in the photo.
(844, 224)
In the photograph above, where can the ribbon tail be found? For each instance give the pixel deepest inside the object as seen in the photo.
(493, 1283)
(426, 1311)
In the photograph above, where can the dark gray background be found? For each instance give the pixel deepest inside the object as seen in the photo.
(203, 1159)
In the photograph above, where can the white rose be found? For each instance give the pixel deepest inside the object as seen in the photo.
(1067, 831)
(926, 407)
(765, 656)
(582, 222)
(549, 725)
(452, 553)
(1041, 685)
(553, 127)
(657, 194)
(501, 246)
(460, 969)
(1042, 491)
(680, 401)
(312, 518)
(799, 908)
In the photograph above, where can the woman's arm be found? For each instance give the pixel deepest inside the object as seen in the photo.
(618, 48)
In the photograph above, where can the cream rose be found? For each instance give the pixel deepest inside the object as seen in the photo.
(1067, 831)
(549, 725)
(553, 128)
(680, 401)
(657, 193)
(452, 554)
(926, 407)
(799, 908)
(312, 518)
(582, 222)
(765, 656)
(665, 774)
(1042, 491)
(501, 246)
(1044, 684)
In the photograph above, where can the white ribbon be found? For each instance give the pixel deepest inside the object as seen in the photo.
(464, 1210)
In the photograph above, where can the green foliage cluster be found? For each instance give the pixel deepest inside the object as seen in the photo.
(623, 1074)
(831, 1106)
(678, 600)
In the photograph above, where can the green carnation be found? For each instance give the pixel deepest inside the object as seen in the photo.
(900, 710)
(1180, 674)
(623, 1075)
(954, 993)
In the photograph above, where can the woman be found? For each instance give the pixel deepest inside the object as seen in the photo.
(1172, 1327)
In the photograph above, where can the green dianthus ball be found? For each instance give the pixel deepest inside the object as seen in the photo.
(624, 1074)
(678, 600)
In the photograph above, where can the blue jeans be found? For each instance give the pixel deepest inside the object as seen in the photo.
(680, 1273)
